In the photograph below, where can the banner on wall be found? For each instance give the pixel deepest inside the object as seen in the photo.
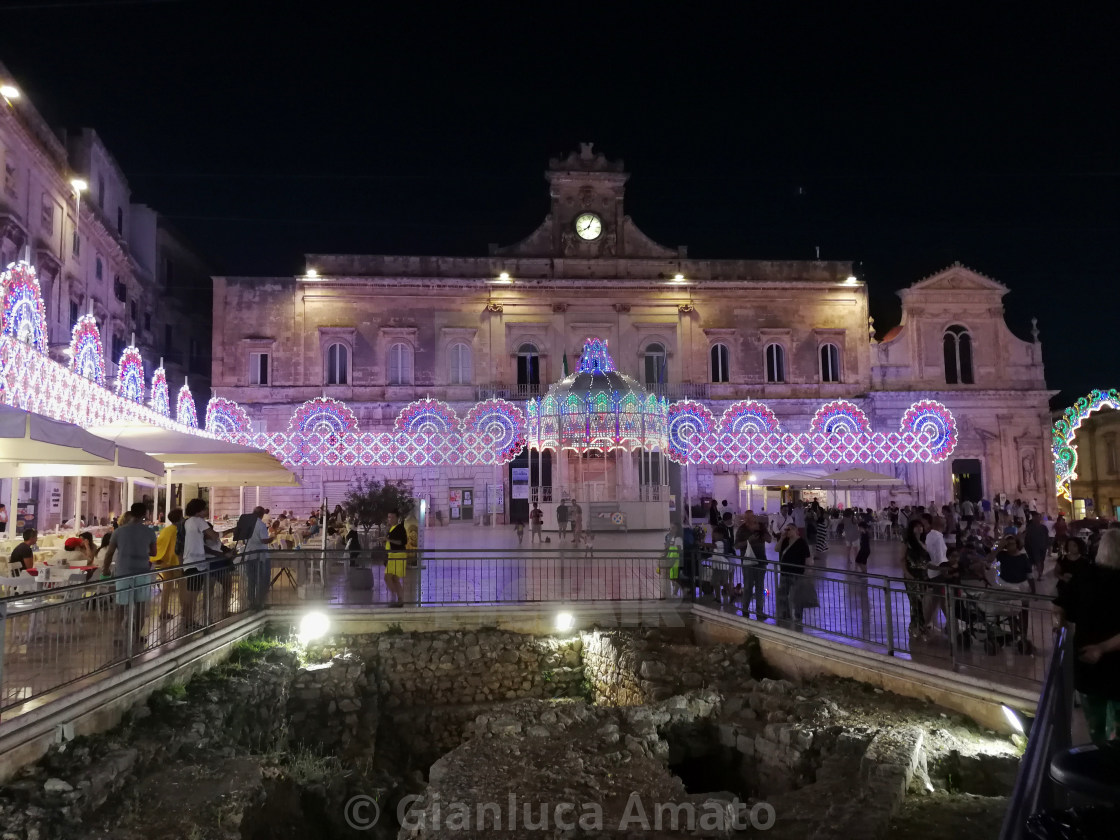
(54, 496)
(520, 483)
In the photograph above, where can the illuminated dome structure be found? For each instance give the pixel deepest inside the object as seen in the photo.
(610, 437)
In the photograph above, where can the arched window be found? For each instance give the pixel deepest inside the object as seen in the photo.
(719, 363)
(338, 364)
(459, 360)
(958, 356)
(830, 363)
(653, 364)
(775, 363)
(400, 364)
(528, 365)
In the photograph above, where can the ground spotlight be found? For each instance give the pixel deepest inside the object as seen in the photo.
(564, 622)
(1013, 719)
(313, 626)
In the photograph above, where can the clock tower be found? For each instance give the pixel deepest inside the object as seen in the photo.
(586, 218)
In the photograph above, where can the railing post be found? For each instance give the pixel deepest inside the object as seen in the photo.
(951, 626)
(888, 612)
(129, 621)
(206, 596)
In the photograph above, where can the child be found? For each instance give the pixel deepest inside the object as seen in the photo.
(519, 527)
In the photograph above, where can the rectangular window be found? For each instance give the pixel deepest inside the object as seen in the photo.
(76, 245)
(1112, 463)
(73, 312)
(120, 221)
(121, 292)
(100, 192)
(132, 311)
(258, 368)
(47, 219)
(147, 321)
(98, 268)
(167, 339)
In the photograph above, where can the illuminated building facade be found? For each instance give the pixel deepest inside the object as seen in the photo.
(764, 366)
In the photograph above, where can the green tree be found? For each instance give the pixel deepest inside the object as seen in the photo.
(369, 502)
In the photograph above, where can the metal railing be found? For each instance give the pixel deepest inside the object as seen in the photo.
(510, 392)
(53, 635)
(462, 577)
(989, 630)
(1051, 733)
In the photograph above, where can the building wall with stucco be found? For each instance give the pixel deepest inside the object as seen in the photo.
(554, 289)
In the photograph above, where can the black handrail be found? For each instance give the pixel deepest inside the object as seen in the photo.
(1050, 734)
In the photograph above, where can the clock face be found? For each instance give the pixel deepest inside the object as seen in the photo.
(589, 226)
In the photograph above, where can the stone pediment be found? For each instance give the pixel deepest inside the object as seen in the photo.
(958, 278)
(547, 241)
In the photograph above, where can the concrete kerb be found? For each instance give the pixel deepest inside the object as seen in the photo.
(540, 619)
(100, 704)
(799, 655)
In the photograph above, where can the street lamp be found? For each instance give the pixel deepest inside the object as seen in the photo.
(9, 92)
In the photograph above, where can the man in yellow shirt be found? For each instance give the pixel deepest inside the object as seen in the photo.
(166, 560)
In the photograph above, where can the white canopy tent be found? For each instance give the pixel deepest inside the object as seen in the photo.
(32, 445)
(202, 460)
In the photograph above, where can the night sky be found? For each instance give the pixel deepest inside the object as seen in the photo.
(902, 137)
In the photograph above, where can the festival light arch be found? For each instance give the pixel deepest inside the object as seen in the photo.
(87, 353)
(24, 316)
(1065, 430)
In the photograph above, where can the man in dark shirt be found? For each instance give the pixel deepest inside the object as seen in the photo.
(24, 552)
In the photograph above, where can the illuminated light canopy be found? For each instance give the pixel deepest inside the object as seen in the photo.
(928, 435)
(503, 422)
(595, 358)
(87, 354)
(35, 382)
(687, 419)
(748, 416)
(24, 317)
(160, 399)
(130, 375)
(1065, 429)
(428, 416)
(323, 415)
(840, 417)
(226, 419)
(934, 419)
(597, 408)
(185, 412)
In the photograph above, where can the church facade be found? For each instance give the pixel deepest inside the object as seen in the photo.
(790, 339)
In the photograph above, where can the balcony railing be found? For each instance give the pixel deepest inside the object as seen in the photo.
(511, 392)
(674, 391)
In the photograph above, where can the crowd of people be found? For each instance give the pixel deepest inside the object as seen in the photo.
(1008, 546)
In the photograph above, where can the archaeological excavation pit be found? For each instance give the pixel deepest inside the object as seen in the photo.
(461, 733)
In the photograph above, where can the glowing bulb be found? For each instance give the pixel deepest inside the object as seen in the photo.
(9, 91)
(678, 278)
(312, 626)
(504, 276)
(312, 272)
(79, 184)
(852, 280)
(564, 622)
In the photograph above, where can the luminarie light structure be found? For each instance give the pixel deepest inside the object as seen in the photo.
(24, 317)
(185, 412)
(130, 375)
(87, 354)
(1064, 431)
(160, 399)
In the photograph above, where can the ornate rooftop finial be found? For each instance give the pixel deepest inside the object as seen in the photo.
(1034, 329)
(871, 329)
(595, 357)
(585, 160)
